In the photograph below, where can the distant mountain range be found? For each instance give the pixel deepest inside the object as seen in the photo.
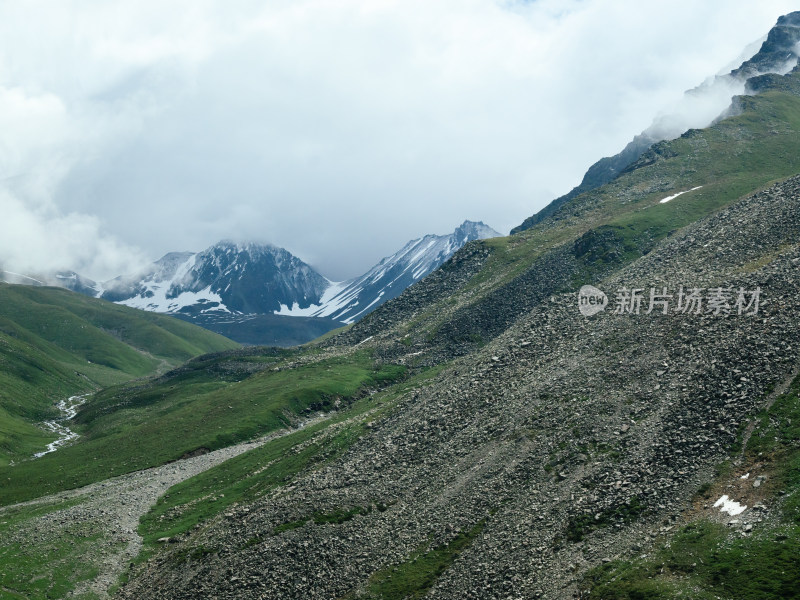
(262, 294)
(64, 279)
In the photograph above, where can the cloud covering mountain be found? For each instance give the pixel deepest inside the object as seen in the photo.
(326, 128)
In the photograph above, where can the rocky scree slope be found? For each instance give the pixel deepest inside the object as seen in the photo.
(562, 442)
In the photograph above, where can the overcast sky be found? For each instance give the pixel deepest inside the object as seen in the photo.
(338, 129)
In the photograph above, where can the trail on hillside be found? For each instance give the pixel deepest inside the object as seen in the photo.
(114, 507)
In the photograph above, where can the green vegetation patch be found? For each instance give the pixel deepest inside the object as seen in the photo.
(336, 517)
(36, 565)
(206, 405)
(579, 527)
(413, 578)
(703, 560)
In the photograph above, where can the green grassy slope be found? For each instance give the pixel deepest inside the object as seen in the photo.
(55, 343)
(733, 158)
(210, 403)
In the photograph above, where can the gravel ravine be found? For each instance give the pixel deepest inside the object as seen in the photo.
(114, 507)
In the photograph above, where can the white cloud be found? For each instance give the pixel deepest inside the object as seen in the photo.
(336, 129)
(41, 240)
(42, 143)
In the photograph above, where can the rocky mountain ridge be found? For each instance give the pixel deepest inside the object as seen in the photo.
(350, 300)
(261, 294)
(778, 55)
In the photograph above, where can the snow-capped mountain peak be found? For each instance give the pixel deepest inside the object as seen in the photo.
(227, 277)
(348, 301)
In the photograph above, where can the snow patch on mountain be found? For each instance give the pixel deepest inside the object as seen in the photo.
(157, 300)
(673, 196)
(330, 299)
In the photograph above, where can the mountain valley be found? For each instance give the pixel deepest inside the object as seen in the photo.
(460, 426)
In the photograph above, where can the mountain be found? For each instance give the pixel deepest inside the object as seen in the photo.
(227, 277)
(75, 282)
(480, 435)
(778, 53)
(533, 452)
(348, 301)
(701, 106)
(232, 289)
(64, 279)
(261, 294)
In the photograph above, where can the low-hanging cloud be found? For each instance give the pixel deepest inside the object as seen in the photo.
(43, 145)
(42, 241)
(702, 105)
(338, 130)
